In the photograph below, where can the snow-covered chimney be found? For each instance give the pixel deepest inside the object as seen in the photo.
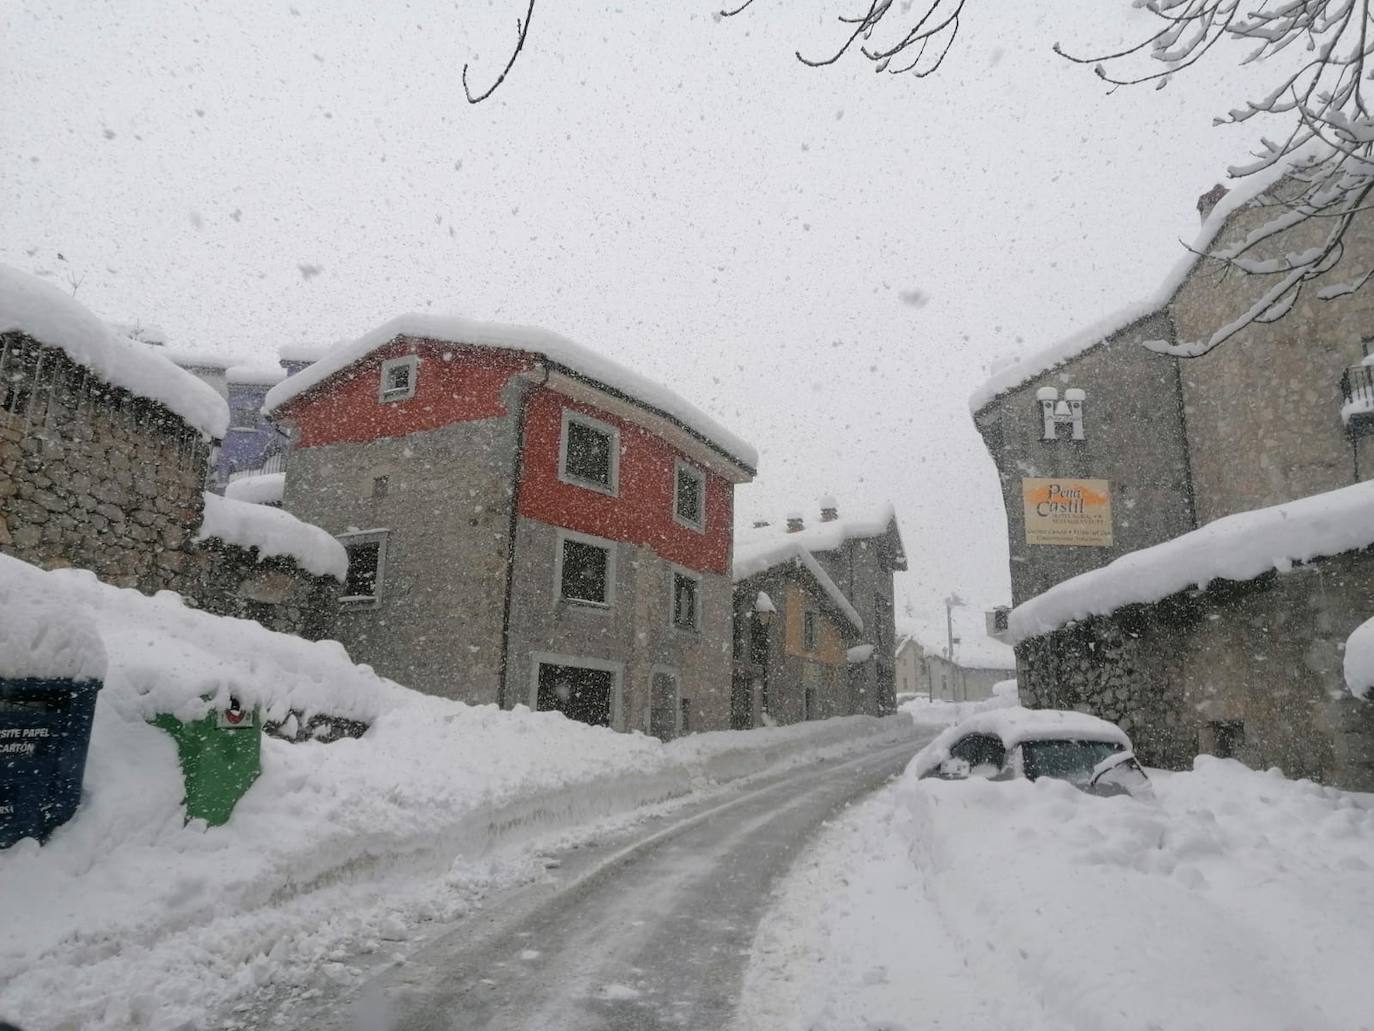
(795, 523)
(1210, 200)
(830, 509)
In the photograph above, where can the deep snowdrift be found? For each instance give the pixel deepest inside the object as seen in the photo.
(1239, 902)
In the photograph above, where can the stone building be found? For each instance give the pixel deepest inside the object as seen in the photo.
(793, 633)
(527, 522)
(104, 451)
(859, 555)
(1113, 447)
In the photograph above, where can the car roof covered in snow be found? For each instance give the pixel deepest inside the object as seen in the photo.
(1017, 725)
(39, 310)
(575, 359)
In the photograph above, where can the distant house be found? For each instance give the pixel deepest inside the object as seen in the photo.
(528, 523)
(793, 632)
(859, 555)
(925, 670)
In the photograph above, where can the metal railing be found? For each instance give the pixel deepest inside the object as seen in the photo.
(1357, 385)
(272, 464)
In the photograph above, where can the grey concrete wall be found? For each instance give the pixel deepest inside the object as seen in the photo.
(437, 624)
(1135, 439)
(635, 629)
(1263, 408)
(94, 477)
(1266, 653)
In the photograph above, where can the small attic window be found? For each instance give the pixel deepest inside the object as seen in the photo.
(398, 378)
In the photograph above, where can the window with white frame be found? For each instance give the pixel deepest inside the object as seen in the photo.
(366, 565)
(686, 600)
(589, 453)
(689, 495)
(586, 570)
(399, 376)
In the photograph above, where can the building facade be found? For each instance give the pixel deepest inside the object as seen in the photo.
(925, 672)
(793, 634)
(1115, 446)
(527, 523)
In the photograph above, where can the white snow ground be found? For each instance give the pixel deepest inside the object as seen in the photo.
(128, 919)
(1240, 902)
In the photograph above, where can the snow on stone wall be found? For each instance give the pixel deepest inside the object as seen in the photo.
(274, 533)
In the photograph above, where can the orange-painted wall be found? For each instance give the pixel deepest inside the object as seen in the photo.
(642, 514)
(465, 386)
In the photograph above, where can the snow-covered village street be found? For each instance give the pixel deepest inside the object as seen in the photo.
(798, 515)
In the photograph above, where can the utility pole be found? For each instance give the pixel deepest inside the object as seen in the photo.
(950, 604)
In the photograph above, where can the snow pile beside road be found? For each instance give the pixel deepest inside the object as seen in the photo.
(274, 533)
(132, 920)
(1240, 902)
(927, 713)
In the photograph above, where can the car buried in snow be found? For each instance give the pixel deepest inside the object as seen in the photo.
(1015, 743)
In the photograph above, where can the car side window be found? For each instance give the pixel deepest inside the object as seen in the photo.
(980, 750)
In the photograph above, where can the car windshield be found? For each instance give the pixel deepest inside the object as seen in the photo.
(1065, 760)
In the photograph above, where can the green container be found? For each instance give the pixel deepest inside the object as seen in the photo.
(220, 758)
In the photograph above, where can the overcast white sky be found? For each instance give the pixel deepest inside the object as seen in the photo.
(671, 188)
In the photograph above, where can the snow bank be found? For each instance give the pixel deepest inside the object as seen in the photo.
(1016, 725)
(41, 639)
(166, 658)
(134, 921)
(939, 713)
(274, 533)
(1235, 547)
(1239, 902)
(757, 556)
(263, 489)
(31, 306)
(254, 375)
(1026, 368)
(555, 349)
(1359, 661)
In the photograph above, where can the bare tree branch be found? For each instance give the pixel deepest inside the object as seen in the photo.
(522, 29)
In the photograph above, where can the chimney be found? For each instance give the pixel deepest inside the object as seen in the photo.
(795, 523)
(830, 509)
(1210, 200)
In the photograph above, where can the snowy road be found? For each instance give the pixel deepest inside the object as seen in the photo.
(651, 930)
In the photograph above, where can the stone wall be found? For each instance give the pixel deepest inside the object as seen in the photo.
(92, 476)
(1264, 656)
(274, 591)
(1134, 438)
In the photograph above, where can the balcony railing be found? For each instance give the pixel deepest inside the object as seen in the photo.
(272, 464)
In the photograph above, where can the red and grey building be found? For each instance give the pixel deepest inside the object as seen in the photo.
(527, 522)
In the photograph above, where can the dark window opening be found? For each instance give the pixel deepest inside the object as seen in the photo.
(588, 455)
(578, 693)
(685, 602)
(663, 706)
(1228, 738)
(691, 496)
(398, 380)
(809, 631)
(379, 486)
(364, 567)
(980, 750)
(586, 572)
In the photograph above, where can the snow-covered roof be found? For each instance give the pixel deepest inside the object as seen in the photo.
(263, 489)
(1359, 661)
(576, 359)
(274, 533)
(1016, 725)
(164, 657)
(1020, 370)
(41, 639)
(255, 375)
(29, 305)
(1235, 547)
(301, 352)
(975, 649)
(821, 535)
(187, 359)
(754, 557)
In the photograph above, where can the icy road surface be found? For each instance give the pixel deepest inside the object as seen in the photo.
(651, 930)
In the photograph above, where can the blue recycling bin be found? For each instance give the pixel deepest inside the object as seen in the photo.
(45, 730)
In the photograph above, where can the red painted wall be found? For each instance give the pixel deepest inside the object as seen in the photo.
(642, 514)
(463, 388)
